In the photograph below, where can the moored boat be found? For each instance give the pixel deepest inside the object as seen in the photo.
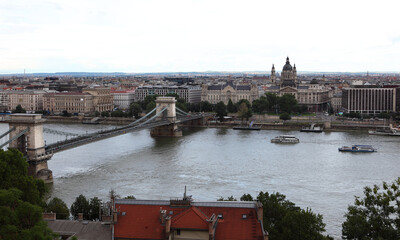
(249, 127)
(312, 128)
(285, 139)
(357, 148)
(391, 131)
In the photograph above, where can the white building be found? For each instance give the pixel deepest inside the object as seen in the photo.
(123, 99)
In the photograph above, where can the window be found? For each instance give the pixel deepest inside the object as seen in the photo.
(244, 216)
(220, 215)
(178, 232)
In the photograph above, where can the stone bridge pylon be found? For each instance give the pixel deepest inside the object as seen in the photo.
(26, 135)
(170, 130)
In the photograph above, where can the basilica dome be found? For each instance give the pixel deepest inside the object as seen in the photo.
(287, 66)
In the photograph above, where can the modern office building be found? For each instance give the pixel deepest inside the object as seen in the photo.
(369, 100)
(190, 93)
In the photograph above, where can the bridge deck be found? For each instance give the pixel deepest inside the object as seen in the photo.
(97, 136)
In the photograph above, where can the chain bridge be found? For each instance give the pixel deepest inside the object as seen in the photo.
(26, 133)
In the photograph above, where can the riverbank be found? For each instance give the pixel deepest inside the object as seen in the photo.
(266, 123)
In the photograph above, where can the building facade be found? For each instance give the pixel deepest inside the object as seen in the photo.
(229, 91)
(369, 100)
(72, 102)
(123, 99)
(29, 100)
(102, 98)
(190, 93)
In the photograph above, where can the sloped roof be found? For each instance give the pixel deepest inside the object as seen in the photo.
(191, 218)
(140, 219)
(83, 230)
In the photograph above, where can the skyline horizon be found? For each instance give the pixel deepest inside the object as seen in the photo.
(191, 35)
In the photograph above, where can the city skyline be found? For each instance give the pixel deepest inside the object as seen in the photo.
(197, 36)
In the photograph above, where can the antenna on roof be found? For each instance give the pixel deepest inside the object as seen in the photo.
(184, 194)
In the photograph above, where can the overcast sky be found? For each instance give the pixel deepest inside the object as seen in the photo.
(198, 35)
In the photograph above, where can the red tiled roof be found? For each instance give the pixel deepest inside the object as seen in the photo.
(191, 218)
(142, 221)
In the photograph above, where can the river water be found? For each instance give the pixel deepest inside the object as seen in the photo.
(214, 162)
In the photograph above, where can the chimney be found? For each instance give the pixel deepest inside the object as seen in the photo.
(49, 216)
(212, 225)
(80, 217)
(260, 212)
(167, 227)
(163, 214)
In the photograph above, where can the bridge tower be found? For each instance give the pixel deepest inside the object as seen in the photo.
(26, 135)
(170, 130)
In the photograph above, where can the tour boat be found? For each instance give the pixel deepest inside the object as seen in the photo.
(357, 148)
(285, 139)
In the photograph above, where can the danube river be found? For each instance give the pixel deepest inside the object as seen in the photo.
(214, 162)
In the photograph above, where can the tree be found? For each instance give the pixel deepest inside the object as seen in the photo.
(272, 99)
(206, 106)
(105, 114)
(20, 219)
(130, 197)
(65, 113)
(19, 109)
(244, 111)
(287, 103)
(14, 174)
(285, 116)
(260, 105)
(148, 99)
(81, 205)
(376, 215)
(118, 113)
(94, 208)
(248, 104)
(220, 109)
(231, 198)
(176, 96)
(284, 220)
(20, 200)
(135, 110)
(230, 107)
(150, 106)
(59, 207)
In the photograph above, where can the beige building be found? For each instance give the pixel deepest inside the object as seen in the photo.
(217, 93)
(102, 99)
(72, 102)
(31, 101)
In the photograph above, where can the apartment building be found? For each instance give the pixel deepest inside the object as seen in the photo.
(72, 102)
(102, 98)
(30, 100)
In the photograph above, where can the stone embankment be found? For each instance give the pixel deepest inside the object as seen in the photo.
(264, 121)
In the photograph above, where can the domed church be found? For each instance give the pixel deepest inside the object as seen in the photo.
(314, 96)
(289, 75)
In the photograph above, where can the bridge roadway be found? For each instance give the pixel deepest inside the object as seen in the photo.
(97, 136)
